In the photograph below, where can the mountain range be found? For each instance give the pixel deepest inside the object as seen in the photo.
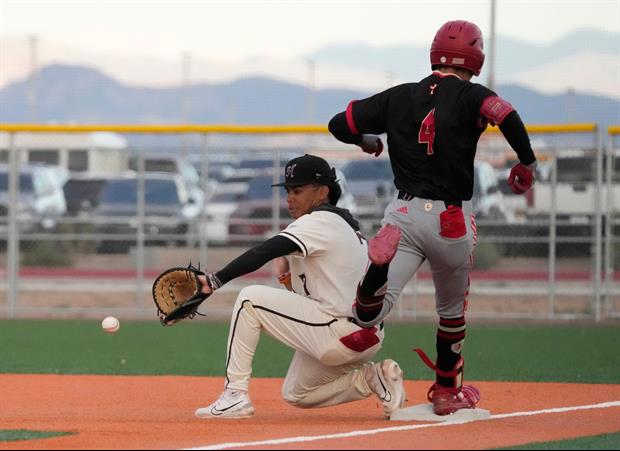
(585, 61)
(80, 94)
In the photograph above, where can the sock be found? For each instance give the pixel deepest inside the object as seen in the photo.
(376, 277)
(371, 291)
(450, 340)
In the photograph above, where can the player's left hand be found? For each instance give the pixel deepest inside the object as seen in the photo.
(372, 144)
(206, 285)
(521, 178)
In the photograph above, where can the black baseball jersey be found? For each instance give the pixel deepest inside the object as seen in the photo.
(433, 128)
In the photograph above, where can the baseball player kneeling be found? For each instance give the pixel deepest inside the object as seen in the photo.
(328, 259)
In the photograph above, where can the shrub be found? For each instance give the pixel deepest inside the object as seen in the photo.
(486, 255)
(46, 253)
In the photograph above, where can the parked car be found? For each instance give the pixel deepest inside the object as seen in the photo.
(219, 207)
(169, 211)
(82, 194)
(173, 164)
(371, 183)
(41, 199)
(576, 189)
(253, 219)
(488, 200)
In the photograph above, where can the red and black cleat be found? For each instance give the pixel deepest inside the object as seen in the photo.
(448, 400)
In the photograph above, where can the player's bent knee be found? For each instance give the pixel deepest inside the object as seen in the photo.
(333, 357)
(294, 399)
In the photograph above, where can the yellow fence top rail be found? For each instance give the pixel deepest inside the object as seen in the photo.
(124, 128)
(557, 128)
(248, 129)
(614, 130)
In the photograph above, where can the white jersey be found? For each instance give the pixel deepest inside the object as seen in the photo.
(332, 261)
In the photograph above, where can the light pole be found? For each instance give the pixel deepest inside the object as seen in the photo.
(491, 64)
(311, 106)
(186, 65)
(32, 82)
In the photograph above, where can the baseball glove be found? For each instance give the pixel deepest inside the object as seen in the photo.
(177, 294)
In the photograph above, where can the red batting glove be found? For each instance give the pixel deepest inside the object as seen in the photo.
(521, 178)
(371, 144)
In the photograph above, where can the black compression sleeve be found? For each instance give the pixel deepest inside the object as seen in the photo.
(255, 258)
(514, 131)
(340, 129)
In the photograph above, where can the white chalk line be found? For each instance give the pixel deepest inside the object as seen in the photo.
(300, 439)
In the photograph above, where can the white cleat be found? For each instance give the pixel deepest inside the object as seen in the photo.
(232, 404)
(385, 379)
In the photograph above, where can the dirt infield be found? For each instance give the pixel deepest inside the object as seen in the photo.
(156, 412)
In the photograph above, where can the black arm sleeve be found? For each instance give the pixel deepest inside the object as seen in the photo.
(514, 131)
(255, 258)
(340, 129)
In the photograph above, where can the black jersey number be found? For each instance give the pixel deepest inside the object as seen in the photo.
(426, 135)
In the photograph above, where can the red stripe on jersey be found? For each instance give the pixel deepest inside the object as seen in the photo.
(350, 120)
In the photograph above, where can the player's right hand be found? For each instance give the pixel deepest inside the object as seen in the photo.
(521, 178)
(372, 144)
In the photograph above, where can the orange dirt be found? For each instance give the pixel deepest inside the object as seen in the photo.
(156, 412)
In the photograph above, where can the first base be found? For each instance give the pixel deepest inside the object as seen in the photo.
(424, 412)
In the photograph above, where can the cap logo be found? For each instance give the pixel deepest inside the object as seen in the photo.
(443, 59)
(458, 60)
(290, 171)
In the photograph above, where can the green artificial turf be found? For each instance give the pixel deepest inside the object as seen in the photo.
(500, 352)
(8, 435)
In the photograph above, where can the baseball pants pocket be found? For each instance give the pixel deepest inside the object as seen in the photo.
(452, 223)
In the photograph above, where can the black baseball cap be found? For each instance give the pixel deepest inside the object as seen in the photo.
(307, 170)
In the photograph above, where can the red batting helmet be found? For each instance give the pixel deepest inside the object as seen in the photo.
(458, 44)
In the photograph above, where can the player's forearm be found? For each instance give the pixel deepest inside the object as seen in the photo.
(367, 319)
(339, 127)
(515, 133)
(256, 257)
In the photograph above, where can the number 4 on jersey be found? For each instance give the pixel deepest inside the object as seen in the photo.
(426, 135)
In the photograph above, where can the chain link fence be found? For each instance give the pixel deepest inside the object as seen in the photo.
(89, 216)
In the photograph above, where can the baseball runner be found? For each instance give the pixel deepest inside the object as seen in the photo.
(433, 127)
(327, 257)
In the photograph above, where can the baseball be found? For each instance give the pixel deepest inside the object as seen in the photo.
(110, 324)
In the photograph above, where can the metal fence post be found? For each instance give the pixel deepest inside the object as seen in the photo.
(553, 233)
(13, 228)
(203, 221)
(609, 229)
(140, 251)
(598, 223)
(275, 214)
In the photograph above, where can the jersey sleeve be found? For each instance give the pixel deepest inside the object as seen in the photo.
(309, 233)
(369, 115)
(476, 94)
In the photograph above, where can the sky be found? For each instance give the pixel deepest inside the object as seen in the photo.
(237, 30)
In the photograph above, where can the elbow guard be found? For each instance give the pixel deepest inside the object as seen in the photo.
(495, 109)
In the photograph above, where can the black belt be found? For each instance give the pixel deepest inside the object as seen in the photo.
(404, 195)
(354, 321)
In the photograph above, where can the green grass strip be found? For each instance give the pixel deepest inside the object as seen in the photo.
(581, 353)
(604, 441)
(11, 435)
